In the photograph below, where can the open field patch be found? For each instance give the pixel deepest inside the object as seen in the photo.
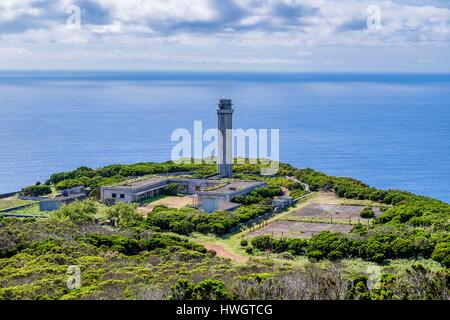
(13, 202)
(168, 201)
(328, 206)
(324, 212)
(318, 210)
(294, 229)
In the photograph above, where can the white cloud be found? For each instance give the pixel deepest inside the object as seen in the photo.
(278, 32)
(178, 10)
(13, 9)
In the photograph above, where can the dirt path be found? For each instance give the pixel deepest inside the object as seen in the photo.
(224, 253)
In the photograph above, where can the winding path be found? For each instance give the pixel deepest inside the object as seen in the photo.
(221, 251)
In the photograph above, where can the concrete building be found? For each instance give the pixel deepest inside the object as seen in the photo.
(54, 204)
(212, 195)
(73, 191)
(220, 197)
(225, 142)
(283, 202)
(66, 196)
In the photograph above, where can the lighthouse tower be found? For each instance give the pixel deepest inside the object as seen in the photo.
(225, 142)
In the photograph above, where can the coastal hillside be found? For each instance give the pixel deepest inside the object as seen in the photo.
(337, 238)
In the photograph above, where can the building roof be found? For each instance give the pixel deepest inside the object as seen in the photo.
(141, 182)
(235, 186)
(65, 198)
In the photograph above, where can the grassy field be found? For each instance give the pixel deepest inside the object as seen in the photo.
(31, 210)
(13, 202)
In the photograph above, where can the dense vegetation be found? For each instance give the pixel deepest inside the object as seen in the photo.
(151, 257)
(375, 245)
(186, 221)
(36, 190)
(130, 263)
(258, 195)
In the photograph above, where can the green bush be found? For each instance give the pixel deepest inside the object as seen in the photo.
(172, 189)
(263, 242)
(258, 195)
(298, 193)
(78, 211)
(244, 243)
(126, 213)
(207, 289)
(188, 220)
(367, 213)
(441, 253)
(36, 191)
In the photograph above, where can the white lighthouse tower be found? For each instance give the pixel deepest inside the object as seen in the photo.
(225, 142)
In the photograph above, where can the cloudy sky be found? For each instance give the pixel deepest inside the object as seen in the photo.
(233, 35)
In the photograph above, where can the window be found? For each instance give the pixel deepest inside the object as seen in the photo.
(122, 196)
(114, 195)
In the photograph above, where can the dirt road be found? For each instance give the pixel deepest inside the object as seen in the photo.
(224, 253)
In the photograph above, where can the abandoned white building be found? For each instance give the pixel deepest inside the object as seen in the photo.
(211, 194)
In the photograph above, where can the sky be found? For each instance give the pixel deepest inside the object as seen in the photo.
(226, 35)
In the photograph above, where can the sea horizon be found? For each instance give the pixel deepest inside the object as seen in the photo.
(59, 120)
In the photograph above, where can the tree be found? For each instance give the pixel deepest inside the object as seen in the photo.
(125, 212)
(77, 211)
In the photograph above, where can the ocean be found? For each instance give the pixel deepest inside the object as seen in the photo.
(388, 130)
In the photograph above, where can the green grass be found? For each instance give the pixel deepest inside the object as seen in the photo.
(13, 202)
(366, 203)
(31, 210)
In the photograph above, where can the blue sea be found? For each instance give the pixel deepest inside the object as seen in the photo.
(388, 130)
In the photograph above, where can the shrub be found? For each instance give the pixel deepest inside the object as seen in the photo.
(36, 191)
(187, 220)
(258, 195)
(77, 211)
(441, 253)
(207, 289)
(244, 243)
(125, 212)
(297, 193)
(315, 255)
(172, 189)
(335, 255)
(262, 242)
(367, 213)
